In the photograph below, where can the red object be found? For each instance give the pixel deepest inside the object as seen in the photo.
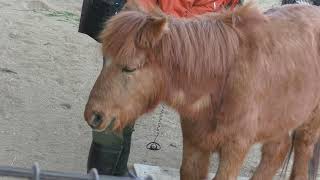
(188, 8)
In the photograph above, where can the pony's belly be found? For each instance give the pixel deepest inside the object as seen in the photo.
(284, 117)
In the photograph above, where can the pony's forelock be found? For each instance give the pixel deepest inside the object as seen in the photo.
(119, 37)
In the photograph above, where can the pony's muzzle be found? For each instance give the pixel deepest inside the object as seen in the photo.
(95, 121)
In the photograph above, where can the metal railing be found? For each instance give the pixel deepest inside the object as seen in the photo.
(35, 173)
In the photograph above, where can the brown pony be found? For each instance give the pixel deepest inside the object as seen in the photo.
(236, 78)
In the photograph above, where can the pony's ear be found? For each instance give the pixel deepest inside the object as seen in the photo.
(152, 31)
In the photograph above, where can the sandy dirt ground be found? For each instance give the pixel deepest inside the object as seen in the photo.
(47, 69)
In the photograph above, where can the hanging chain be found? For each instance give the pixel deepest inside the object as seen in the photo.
(154, 146)
(159, 122)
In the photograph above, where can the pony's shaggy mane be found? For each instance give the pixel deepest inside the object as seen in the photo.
(203, 44)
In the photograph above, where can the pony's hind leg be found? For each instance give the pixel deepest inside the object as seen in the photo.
(305, 138)
(273, 155)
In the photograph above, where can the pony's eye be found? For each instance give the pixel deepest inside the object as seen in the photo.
(128, 70)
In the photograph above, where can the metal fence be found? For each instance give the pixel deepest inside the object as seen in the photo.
(35, 173)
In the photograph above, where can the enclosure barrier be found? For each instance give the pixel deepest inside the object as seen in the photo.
(36, 174)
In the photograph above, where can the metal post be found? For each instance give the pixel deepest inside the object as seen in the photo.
(36, 171)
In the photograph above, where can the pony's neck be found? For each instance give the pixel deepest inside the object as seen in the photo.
(197, 55)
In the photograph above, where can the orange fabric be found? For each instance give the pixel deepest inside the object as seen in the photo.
(187, 8)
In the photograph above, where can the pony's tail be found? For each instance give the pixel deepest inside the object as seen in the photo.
(285, 166)
(314, 162)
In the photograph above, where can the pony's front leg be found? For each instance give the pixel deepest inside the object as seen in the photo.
(231, 155)
(195, 162)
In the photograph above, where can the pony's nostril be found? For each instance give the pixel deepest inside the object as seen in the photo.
(96, 120)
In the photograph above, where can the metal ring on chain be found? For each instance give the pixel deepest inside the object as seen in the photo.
(154, 146)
